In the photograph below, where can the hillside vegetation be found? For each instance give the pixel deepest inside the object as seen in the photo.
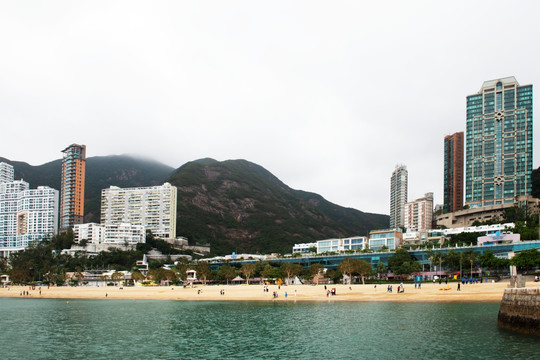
(239, 206)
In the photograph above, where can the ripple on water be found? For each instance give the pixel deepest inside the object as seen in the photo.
(97, 329)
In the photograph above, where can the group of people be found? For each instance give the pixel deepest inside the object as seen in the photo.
(465, 281)
(222, 292)
(27, 293)
(331, 292)
(400, 288)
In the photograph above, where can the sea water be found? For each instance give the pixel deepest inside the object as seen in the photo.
(127, 329)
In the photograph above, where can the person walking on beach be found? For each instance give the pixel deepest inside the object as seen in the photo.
(458, 287)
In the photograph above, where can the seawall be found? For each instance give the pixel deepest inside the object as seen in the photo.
(520, 310)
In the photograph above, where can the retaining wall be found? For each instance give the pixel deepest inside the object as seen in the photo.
(520, 310)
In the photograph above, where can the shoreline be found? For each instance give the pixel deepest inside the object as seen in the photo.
(429, 293)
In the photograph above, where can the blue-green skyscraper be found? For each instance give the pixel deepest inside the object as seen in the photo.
(499, 143)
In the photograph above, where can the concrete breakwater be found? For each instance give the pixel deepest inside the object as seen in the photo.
(520, 310)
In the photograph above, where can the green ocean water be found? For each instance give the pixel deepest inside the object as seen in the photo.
(124, 329)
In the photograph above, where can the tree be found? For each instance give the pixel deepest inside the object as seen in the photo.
(381, 269)
(271, 272)
(79, 275)
(527, 259)
(490, 261)
(364, 268)
(535, 180)
(169, 275)
(469, 257)
(116, 277)
(247, 269)
(402, 263)
(315, 269)
(181, 270)
(203, 270)
(290, 270)
(227, 272)
(137, 276)
(452, 259)
(349, 266)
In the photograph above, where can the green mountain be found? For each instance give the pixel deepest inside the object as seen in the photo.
(239, 206)
(234, 205)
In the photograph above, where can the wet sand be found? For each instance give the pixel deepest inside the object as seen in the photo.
(490, 292)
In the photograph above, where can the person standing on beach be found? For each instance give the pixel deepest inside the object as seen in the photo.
(458, 287)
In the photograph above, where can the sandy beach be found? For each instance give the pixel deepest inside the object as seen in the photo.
(429, 292)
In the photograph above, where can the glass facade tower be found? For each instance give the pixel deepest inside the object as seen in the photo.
(499, 143)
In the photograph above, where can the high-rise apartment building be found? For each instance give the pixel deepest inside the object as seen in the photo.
(453, 172)
(25, 214)
(6, 173)
(419, 213)
(72, 191)
(499, 143)
(398, 196)
(152, 207)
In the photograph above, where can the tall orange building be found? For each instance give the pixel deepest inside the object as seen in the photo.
(72, 191)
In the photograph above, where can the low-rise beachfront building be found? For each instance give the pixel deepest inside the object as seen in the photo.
(482, 229)
(499, 239)
(389, 238)
(437, 237)
(412, 238)
(342, 244)
(101, 237)
(304, 248)
(353, 243)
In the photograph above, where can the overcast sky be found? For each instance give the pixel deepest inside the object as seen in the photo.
(328, 96)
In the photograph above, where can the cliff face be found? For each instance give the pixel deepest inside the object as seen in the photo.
(239, 206)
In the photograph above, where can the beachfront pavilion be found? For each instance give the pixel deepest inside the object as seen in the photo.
(422, 256)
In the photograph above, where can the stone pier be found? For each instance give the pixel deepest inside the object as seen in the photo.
(520, 310)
